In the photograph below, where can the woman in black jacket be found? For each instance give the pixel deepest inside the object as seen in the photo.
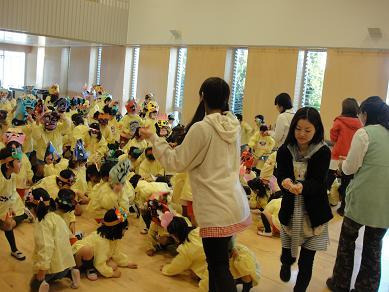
(302, 164)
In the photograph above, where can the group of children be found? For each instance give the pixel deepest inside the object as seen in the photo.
(69, 157)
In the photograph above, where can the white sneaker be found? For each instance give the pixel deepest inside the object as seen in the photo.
(75, 273)
(264, 233)
(44, 287)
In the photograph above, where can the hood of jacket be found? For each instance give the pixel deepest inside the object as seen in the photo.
(226, 125)
(352, 123)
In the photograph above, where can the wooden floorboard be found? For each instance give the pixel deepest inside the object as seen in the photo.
(15, 276)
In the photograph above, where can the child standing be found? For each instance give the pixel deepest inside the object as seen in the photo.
(261, 144)
(302, 165)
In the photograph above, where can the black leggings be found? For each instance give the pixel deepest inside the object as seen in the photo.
(305, 264)
(216, 251)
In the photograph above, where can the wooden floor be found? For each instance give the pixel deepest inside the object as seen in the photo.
(14, 275)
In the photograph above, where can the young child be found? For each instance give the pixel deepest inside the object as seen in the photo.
(151, 115)
(93, 177)
(150, 168)
(247, 163)
(260, 194)
(190, 250)
(131, 121)
(162, 127)
(95, 144)
(52, 184)
(100, 250)
(137, 141)
(261, 144)
(10, 165)
(135, 156)
(66, 204)
(269, 216)
(244, 266)
(245, 131)
(54, 164)
(111, 194)
(52, 257)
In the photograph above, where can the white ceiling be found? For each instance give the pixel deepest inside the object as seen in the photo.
(16, 38)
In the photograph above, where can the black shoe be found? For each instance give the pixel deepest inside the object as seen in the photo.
(330, 284)
(285, 273)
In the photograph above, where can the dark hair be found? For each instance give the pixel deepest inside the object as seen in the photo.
(66, 200)
(134, 180)
(260, 117)
(284, 100)
(5, 153)
(112, 232)
(377, 111)
(239, 117)
(258, 187)
(41, 209)
(247, 190)
(96, 115)
(215, 92)
(91, 170)
(95, 126)
(66, 174)
(163, 179)
(180, 229)
(106, 168)
(178, 135)
(17, 122)
(77, 119)
(263, 128)
(350, 108)
(312, 115)
(197, 117)
(135, 152)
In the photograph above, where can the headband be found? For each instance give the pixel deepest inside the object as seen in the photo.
(120, 215)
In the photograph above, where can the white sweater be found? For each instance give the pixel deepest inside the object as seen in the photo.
(210, 154)
(282, 127)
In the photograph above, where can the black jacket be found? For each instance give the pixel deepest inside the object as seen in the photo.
(314, 186)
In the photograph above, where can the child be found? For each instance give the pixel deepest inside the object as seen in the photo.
(244, 267)
(159, 238)
(54, 164)
(52, 257)
(151, 115)
(260, 194)
(245, 131)
(342, 133)
(247, 162)
(190, 250)
(136, 158)
(131, 121)
(111, 194)
(93, 177)
(52, 184)
(302, 167)
(100, 249)
(95, 144)
(66, 203)
(162, 127)
(137, 141)
(10, 165)
(262, 144)
(150, 168)
(269, 216)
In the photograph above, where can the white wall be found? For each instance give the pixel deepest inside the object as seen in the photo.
(306, 23)
(52, 67)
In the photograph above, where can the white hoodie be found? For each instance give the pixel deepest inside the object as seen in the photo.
(210, 154)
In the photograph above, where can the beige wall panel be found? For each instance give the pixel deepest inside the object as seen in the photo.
(112, 70)
(269, 72)
(202, 62)
(352, 74)
(52, 67)
(78, 70)
(153, 74)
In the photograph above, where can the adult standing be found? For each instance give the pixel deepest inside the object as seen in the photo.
(210, 154)
(284, 106)
(303, 162)
(367, 200)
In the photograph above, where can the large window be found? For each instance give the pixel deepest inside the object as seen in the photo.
(179, 82)
(238, 80)
(134, 72)
(98, 65)
(12, 66)
(313, 78)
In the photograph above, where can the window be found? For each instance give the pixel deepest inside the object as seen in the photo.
(313, 78)
(238, 80)
(98, 66)
(134, 72)
(387, 95)
(12, 67)
(179, 82)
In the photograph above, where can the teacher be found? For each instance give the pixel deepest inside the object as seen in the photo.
(210, 154)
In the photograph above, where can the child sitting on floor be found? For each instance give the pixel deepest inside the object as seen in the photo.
(100, 250)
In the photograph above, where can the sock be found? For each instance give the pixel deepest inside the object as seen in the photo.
(87, 265)
(11, 239)
(20, 218)
(265, 223)
(247, 287)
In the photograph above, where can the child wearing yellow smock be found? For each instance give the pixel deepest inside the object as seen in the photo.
(262, 145)
(52, 184)
(244, 267)
(66, 203)
(52, 256)
(190, 252)
(270, 220)
(111, 194)
(150, 168)
(95, 144)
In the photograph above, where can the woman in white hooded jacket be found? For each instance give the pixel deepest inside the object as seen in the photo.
(210, 154)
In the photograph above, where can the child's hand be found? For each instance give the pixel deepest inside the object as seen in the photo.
(132, 266)
(40, 276)
(116, 274)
